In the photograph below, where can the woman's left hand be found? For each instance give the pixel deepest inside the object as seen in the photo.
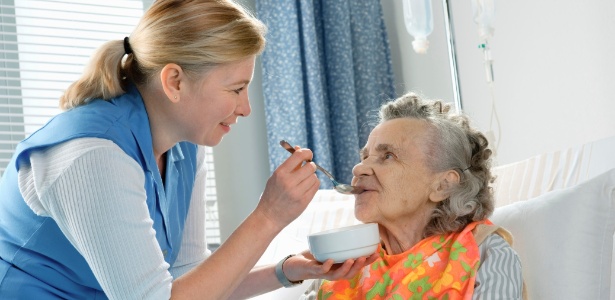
(304, 266)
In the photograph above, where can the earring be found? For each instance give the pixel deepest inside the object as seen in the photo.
(175, 97)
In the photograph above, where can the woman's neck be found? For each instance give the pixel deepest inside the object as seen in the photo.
(161, 161)
(399, 237)
(396, 242)
(162, 140)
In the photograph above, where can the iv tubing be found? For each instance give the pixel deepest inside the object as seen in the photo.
(494, 113)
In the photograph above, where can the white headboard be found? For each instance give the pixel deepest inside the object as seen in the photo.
(537, 175)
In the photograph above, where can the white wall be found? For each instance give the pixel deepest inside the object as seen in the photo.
(553, 70)
(427, 73)
(241, 159)
(242, 163)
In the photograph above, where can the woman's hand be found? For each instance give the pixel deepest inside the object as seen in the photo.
(290, 189)
(304, 266)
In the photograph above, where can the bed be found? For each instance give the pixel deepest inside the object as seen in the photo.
(559, 206)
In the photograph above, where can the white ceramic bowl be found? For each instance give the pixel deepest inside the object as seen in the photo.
(343, 243)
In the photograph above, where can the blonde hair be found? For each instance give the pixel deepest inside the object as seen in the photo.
(197, 35)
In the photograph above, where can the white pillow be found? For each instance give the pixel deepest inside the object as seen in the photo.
(565, 239)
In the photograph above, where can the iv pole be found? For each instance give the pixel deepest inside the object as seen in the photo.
(451, 54)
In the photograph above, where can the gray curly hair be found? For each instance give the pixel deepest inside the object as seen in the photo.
(454, 145)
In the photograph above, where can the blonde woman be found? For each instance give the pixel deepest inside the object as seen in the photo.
(107, 199)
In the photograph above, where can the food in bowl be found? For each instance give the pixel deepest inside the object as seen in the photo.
(343, 243)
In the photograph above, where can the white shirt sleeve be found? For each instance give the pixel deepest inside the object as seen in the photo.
(194, 246)
(94, 192)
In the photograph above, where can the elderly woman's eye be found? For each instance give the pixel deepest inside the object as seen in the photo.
(389, 156)
(364, 155)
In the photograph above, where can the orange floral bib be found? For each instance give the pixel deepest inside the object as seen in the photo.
(438, 267)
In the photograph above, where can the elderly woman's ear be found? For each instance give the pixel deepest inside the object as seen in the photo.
(443, 184)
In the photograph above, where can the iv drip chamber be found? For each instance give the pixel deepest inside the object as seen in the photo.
(418, 18)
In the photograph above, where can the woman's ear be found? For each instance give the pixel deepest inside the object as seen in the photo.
(443, 184)
(171, 78)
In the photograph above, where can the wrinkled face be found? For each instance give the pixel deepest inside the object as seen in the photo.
(394, 173)
(214, 103)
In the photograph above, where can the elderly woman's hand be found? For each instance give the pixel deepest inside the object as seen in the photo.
(305, 266)
(290, 189)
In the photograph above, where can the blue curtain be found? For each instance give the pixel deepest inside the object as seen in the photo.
(326, 70)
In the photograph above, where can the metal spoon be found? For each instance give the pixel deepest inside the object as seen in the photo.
(340, 187)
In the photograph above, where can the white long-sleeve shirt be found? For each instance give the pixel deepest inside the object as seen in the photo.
(92, 190)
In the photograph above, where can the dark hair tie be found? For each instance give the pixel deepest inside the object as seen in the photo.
(127, 48)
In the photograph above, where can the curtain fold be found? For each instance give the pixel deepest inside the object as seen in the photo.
(326, 70)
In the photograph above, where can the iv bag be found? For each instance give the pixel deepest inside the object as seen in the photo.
(484, 16)
(419, 22)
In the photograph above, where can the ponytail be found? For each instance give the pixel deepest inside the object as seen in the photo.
(102, 77)
(195, 34)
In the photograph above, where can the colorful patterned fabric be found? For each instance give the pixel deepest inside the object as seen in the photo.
(438, 267)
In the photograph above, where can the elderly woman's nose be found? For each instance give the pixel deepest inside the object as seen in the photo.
(361, 169)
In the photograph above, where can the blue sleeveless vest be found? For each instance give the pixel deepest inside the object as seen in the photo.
(36, 259)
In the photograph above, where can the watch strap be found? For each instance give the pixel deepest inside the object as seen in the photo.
(279, 273)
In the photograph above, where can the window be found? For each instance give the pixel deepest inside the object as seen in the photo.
(45, 46)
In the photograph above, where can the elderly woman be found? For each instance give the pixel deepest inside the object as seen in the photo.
(426, 175)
